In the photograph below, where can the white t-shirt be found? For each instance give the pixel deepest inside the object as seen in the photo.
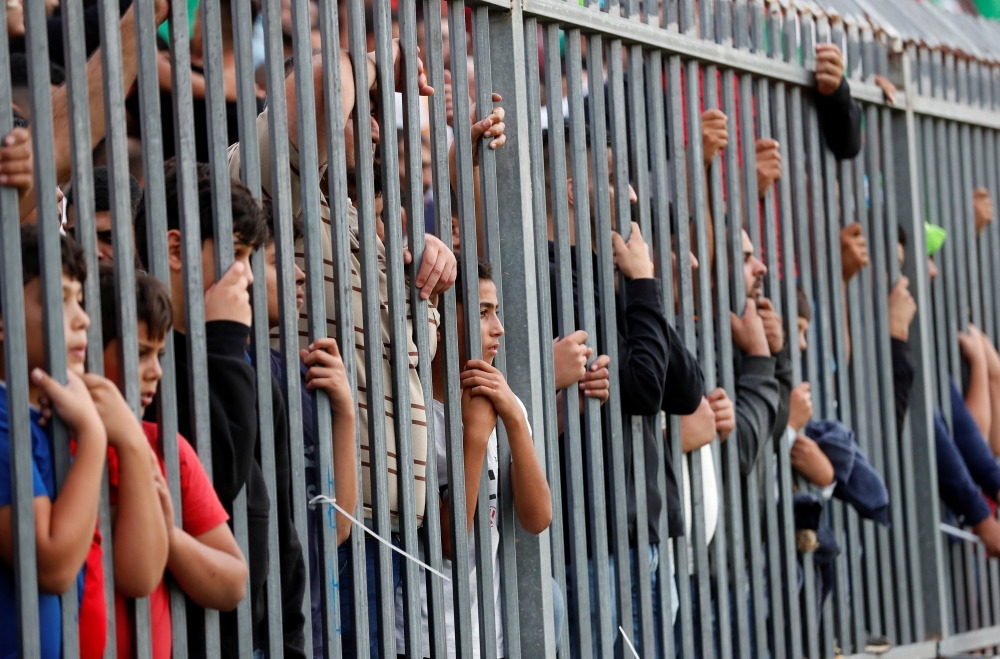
(710, 491)
(493, 472)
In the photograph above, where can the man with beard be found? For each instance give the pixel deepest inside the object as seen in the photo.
(757, 337)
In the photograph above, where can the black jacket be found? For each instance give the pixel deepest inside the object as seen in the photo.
(840, 121)
(655, 373)
(235, 464)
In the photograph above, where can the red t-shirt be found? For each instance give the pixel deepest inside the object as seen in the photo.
(201, 511)
(93, 616)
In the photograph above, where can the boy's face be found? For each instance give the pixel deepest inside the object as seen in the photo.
(150, 370)
(490, 327)
(75, 324)
(803, 327)
(271, 277)
(241, 252)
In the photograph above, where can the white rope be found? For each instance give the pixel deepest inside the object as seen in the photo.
(630, 646)
(333, 502)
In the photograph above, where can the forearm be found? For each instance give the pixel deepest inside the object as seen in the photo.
(63, 543)
(345, 471)
(994, 435)
(212, 578)
(475, 453)
(532, 498)
(140, 534)
(977, 397)
(95, 85)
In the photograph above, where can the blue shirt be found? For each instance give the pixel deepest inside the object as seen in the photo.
(49, 611)
(314, 515)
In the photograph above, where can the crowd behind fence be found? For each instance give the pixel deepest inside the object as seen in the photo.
(736, 391)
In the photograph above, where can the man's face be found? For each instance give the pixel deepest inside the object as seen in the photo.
(350, 158)
(75, 324)
(271, 276)
(803, 328)
(102, 222)
(753, 270)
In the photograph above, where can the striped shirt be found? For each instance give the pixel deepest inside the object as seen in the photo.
(418, 428)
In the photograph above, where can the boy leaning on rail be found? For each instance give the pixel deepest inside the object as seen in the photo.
(232, 405)
(64, 523)
(486, 399)
(202, 554)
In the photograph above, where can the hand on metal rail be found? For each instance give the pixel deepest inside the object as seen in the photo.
(570, 355)
(829, 68)
(714, 134)
(725, 414)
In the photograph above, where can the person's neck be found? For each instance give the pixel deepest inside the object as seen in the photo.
(437, 377)
(34, 392)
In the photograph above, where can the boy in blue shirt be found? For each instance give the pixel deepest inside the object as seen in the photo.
(64, 524)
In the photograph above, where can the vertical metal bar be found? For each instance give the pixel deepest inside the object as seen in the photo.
(638, 162)
(716, 201)
(527, 628)
(733, 299)
(441, 186)
(51, 265)
(608, 446)
(611, 449)
(401, 409)
(894, 584)
(282, 205)
(25, 565)
(909, 208)
(372, 322)
(681, 239)
(467, 233)
(154, 198)
(566, 316)
(791, 195)
(661, 232)
(75, 61)
(752, 224)
(553, 466)
(490, 242)
(808, 224)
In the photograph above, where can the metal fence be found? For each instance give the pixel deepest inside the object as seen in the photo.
(573, 77)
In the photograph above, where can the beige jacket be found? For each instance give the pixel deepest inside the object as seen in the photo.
(418, 430)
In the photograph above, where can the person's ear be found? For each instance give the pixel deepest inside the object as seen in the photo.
(569, 191)
(174, 250)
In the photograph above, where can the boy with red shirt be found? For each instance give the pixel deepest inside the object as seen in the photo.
(202, 556)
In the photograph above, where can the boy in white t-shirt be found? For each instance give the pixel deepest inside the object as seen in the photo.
(486, 397)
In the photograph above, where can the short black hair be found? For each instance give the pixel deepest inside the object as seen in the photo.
(805, 307)
(268, 208)
(152, 305)
(485, 274)
(901, 235)
(102, 191)
(249, 222)
(74, 265)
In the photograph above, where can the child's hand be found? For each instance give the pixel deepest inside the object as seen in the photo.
(482, 379)
(166, 503)
(122, 426)
(72, 402)
(228, 298)
(326, 371)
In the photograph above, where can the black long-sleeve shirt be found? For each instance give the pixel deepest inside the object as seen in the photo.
(840, 121)
(235, 464)
(783, 374)
(902, 379)
(655, 373)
